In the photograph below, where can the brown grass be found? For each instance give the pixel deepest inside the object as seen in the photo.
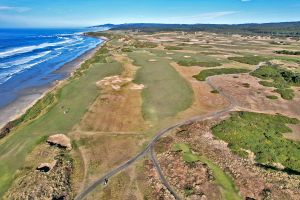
(117, 111)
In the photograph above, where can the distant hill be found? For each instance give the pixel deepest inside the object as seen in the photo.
(276, 29)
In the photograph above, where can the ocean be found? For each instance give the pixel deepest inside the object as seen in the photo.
(32, 58)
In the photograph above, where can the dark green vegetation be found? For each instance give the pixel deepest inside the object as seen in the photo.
(139, 44)
(246, 85)
(192, 62)
(212, 72)
(272, 97)
(276, 29)
(215, 91)
(173, 48)
(21, 141)
(286, 52)
(228, 189)
(261, 134)
(250, 60)
(127, 50)
(166, 92)
(279, 78)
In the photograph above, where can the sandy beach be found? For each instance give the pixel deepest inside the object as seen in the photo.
(30, 96)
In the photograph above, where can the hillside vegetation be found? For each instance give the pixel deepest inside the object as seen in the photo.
(261, 134)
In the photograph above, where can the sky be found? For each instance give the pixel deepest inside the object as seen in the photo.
(82, 13)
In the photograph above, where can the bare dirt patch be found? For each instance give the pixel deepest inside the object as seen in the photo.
(255, 97)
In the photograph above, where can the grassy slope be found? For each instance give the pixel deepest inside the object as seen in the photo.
(166, 92)
(76, 95)
(262, 134)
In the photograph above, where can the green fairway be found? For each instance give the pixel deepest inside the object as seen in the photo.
(212, 72)
(75, 97)
(190, 58)
(166, 93)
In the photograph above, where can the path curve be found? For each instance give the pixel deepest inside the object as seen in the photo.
(216, 114)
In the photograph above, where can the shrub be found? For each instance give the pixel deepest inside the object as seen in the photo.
(272, 97)
(282, 79)
(250, 60)
(212, 72)
(188, 63)
(173, 48)
(286, 52)
(261, 134)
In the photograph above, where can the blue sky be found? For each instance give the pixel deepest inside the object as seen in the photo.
(78, 13)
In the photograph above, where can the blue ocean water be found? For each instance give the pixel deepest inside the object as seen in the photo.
(30, 57)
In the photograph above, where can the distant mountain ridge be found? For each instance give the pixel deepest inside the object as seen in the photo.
(279, 29)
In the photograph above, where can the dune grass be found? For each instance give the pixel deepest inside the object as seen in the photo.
(75, 96)
(166, 93)
(263, 135)
(212, 72)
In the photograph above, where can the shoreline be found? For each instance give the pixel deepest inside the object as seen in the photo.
(24, 102)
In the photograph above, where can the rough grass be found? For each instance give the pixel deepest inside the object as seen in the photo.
(15, 147)
(212, 72)
(286, 52)
(166, 92)
(181, 147)
(263, 135)
(250, 60)
(173, 48)
(192, 62)
(139, 44)
(228, 188)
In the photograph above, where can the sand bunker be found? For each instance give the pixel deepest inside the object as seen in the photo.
(60, 140)
(169, 53)
(187, 56)
(137, 87)
(113, 82)
(152, 60)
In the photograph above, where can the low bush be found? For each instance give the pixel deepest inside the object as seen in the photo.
(191, 62)
(212, 72)
(286, 52)
(173, 48)
(263, 135)
(250, 60)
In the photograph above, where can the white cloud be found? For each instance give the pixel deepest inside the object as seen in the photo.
(16, 9)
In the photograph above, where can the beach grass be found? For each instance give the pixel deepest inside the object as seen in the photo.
(166, 93)
(73, 100)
